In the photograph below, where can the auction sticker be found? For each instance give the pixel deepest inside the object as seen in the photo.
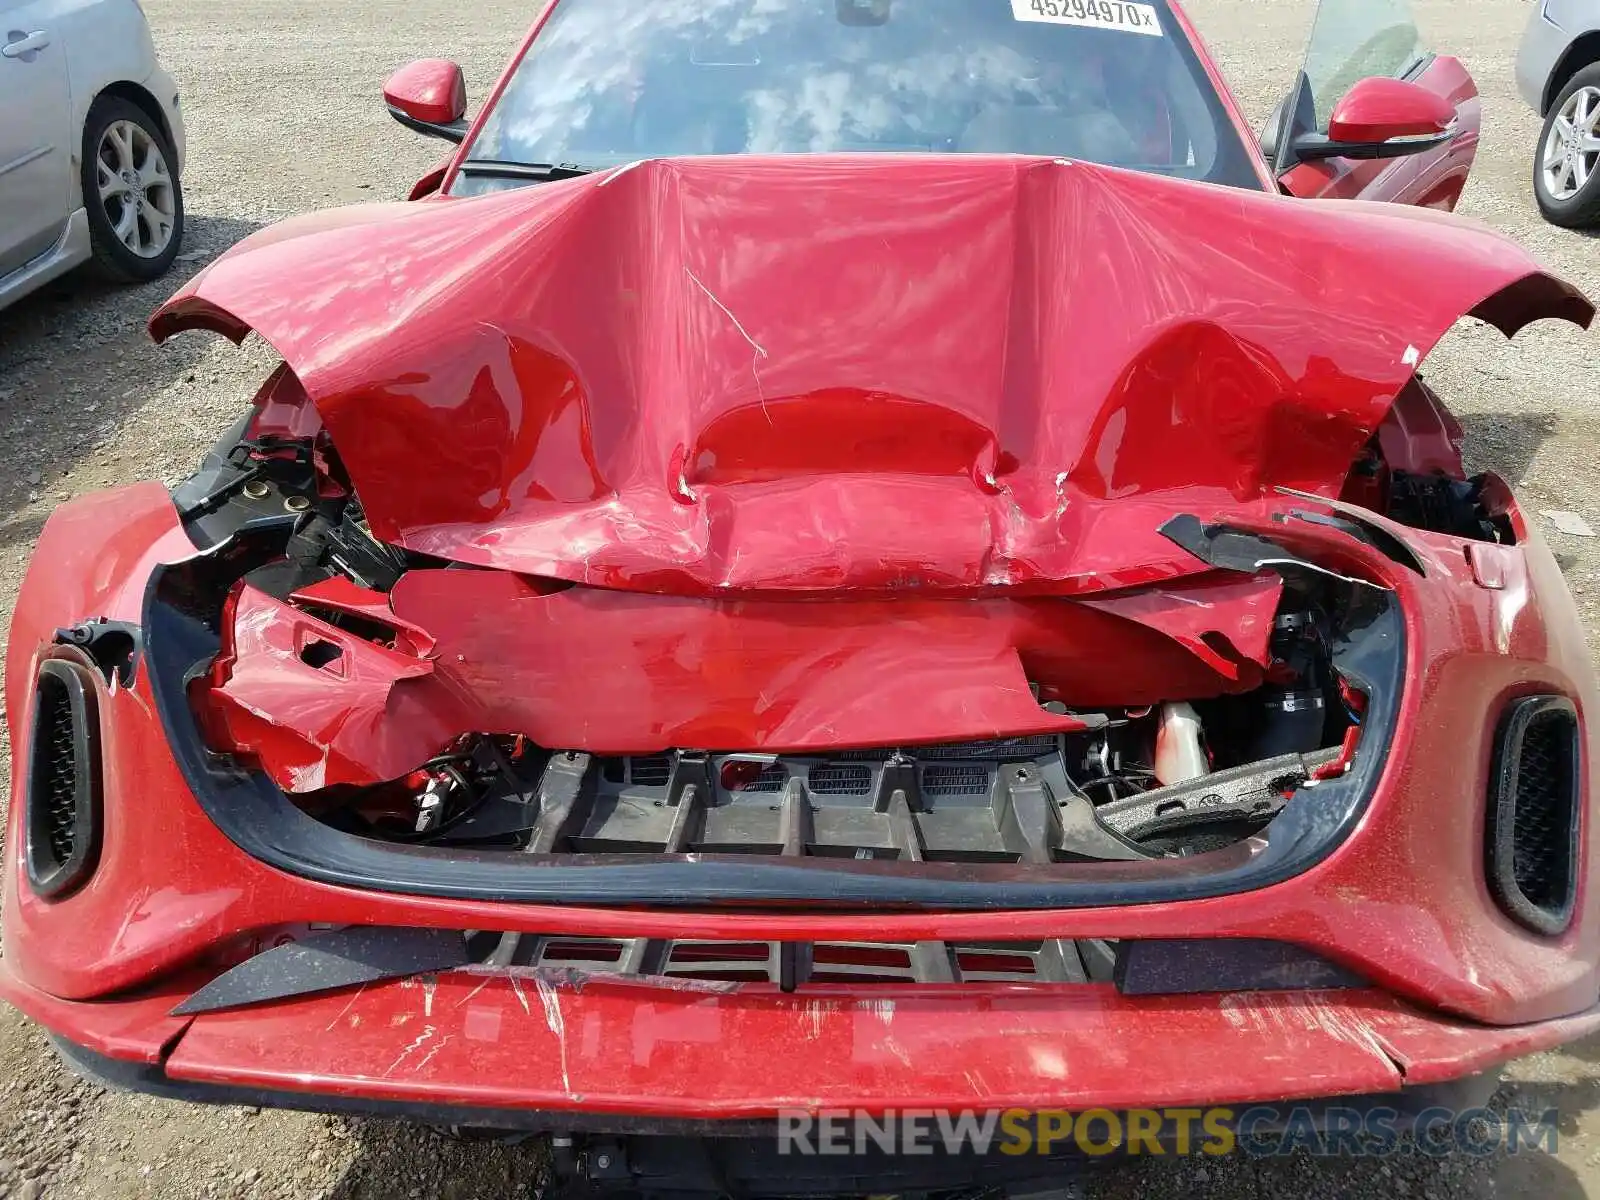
(1122, 15)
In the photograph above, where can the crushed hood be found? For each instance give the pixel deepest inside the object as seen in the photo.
(942, 373)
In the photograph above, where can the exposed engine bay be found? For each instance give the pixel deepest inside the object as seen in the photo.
(1196, 759)
(1170, 779)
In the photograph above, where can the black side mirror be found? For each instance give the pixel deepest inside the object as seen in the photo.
(1311, 146)
(1272, 131)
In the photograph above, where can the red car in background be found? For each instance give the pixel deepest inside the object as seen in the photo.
(839, 555)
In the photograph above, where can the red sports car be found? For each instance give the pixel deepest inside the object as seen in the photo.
(841, 554)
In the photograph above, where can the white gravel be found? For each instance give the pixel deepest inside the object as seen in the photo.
(284, 113)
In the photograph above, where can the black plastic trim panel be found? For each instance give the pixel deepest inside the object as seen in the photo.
(361, 954)
(1190, 966)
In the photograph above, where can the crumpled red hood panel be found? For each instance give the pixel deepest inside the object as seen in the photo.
(887, 373)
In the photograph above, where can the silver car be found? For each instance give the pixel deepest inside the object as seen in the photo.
(1558, 74)
(91, 144)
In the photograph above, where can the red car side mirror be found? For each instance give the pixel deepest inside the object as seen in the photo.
(1375, 110)
(429, 96)
(1381, 118)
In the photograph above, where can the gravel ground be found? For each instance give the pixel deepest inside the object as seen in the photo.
(284, 116)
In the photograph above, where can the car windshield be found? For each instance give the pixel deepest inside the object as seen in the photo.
(613, 81)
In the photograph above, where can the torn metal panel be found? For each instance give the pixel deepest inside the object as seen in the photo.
(934, 389)
(316, 702)
(318, 705)
(1225, 622)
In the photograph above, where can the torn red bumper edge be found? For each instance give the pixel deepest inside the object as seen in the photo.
(553, 1042)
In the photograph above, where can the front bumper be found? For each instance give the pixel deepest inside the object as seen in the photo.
(561, 1051)
(1401, 902)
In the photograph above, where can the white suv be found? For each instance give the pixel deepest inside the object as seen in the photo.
(91, 144)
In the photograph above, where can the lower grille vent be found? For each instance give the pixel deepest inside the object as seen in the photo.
(63, 789)
(1533, 813)
(834, 780)
(829, 962)
(650, 772)
(955, 780)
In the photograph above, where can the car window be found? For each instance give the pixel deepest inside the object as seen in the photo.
(1354, 39)
(611, 81)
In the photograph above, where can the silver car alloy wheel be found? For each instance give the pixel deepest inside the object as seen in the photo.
(136, 189)
(1572, 148)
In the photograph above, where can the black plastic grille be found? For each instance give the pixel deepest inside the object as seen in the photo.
(995, 750)
(1533, 823)
(833, 780)
(63, 792)
(771, 779)
(650, 772)
(998, 750)
(948, 779)
(830, 962)
(56, 775)
(1542, 830)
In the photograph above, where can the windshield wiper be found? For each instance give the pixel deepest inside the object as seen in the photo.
(501, 168)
